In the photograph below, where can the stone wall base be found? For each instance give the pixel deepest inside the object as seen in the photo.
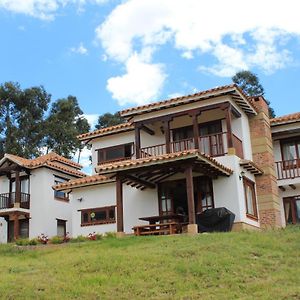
(239, 226)
(192, 229)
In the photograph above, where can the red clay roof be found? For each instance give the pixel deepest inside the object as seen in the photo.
(51, 160)
(79, 182)
(130, 164)
(106, 131)
(186, 99)
(295, 117)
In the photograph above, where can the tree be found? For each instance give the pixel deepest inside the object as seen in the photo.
(108, 119)
(249, 83)
(21, 119)
(63, 124)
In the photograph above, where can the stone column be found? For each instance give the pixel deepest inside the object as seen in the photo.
(262, 149)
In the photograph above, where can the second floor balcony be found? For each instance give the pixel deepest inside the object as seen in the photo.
(11, 200)
(288, 169)
(212, 145)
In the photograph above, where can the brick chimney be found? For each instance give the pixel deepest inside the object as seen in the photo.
(262, 149)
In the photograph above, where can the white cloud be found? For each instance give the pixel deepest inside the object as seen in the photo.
(43, 9)
(141, 83)
(236, 38)
(80, 49)
(92, 119)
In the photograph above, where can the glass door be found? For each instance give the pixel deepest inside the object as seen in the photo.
(292, 210)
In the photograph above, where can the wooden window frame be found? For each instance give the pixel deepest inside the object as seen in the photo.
(251, 184)
(97, 209)
(59, 198)
(292, 201)
(104, 150)
(295, 140)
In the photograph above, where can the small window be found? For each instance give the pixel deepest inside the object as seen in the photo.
(250, 198)
(61, 228)
(116, 153)
(100, 215)
(60, 194)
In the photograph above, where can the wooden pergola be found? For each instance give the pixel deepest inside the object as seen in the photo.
(148, 172)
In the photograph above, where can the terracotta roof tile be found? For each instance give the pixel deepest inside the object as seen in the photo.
(105, 131)
(117, 166)
(183, 100)
(52, 160)
(295, 117)
(79, 182)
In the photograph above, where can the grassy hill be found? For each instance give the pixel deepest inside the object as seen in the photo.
(246, 265)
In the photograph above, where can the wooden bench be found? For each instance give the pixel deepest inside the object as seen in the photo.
(156, 229)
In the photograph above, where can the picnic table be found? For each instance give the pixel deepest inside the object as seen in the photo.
(168, 224)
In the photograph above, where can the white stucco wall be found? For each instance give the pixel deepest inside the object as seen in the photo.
(44, 208)
(109, 141)
(136, 204)
(3, 231)
(229, 191)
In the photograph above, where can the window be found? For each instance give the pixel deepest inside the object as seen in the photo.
(60, 194)
(290, 149)
(61, 228)
(292, 209)
(120, 152)
(250, 197)
(100, 215)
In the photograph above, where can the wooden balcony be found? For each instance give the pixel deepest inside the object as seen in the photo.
(8, 200)
(288, 169)
(213, 145)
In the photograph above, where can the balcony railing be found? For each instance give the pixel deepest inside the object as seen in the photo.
(288, 169)
(7, 200)
(213, 145)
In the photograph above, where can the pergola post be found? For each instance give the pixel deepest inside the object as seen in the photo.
(16, 227)
(167, 135)
(228, 125)
(192, 226)
(119, 196)
(137, 141)
(196, 129)
(18, 189)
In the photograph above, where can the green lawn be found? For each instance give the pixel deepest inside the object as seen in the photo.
(246, 265)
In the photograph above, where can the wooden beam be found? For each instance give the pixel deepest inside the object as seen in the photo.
(196, 129)
(235, 112)
(148, 130)
(228, 125)
(292, 186)
(119, 196)
(18, 187)
(190, 194)
(282, 188)
(141, 181)
(137, 131)
(16, 227)
(166, 124)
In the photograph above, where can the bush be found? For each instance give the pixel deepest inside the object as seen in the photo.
(26, 242)
(110, 234)
(78, 239)
(22, 242)
(57, 240)
(33, 242)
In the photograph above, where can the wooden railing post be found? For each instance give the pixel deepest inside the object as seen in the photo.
(119, 196)
(166, 124)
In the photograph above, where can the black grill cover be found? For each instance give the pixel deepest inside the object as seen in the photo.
(215, 219)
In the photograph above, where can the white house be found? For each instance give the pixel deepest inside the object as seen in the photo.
(28, 204)
(209, 149)
(286, 140)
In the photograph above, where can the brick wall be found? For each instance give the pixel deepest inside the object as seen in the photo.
(266, 185)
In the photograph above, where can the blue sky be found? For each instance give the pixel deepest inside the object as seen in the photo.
(113, 54)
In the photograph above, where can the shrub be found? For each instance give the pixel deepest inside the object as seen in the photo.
(110, 234)
(57, 240)
(22, 242)
(33, 242)
(78, 239)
